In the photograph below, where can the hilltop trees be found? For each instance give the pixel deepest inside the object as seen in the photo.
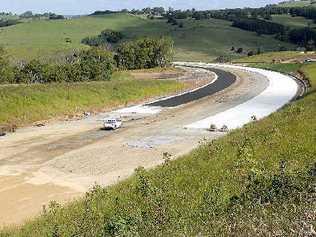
(144, 53)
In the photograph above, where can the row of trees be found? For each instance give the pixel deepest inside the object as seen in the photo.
(95, 64)
(303, 37)
(106, 37)
(8, 22)
(259, 26)
(48, 15)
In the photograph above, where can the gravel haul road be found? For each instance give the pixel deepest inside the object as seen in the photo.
(64, 159)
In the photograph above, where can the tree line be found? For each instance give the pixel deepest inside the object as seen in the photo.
(47, 15)
(94, 64)
(106, 37)
(8, 22)
(258, 25)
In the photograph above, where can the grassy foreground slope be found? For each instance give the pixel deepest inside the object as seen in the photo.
(23, 104)
(197, 40)
(258, 180)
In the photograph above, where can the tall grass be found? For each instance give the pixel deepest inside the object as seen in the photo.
(258, 180)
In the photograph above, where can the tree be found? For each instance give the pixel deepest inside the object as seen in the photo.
(106, 37)
(27, 14)
(7, 73)
(240, 50)
(250, 53)
(145, 53)
(32, 72)
(96, 64)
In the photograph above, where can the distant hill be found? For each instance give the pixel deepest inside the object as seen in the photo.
(302, 3)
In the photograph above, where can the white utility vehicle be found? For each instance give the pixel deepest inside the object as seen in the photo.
(112, 123)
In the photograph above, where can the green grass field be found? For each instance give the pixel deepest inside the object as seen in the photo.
(294, 22)
(198, 40)
(233, 186)
(299, 3)
(277, 56)
(24, 104)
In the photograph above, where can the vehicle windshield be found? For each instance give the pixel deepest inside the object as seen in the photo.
(112, 121)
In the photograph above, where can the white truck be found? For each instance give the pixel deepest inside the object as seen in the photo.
(112, 123)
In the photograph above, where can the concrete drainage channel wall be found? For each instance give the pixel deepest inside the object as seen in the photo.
(281, 90)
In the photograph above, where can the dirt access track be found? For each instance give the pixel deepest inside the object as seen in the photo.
(64, 159)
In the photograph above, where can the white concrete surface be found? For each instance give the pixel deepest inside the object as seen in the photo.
(281, 90)
(139, 109)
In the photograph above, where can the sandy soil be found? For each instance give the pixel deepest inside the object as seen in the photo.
(64, 159)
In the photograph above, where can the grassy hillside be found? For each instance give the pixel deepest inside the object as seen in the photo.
(23, 104)
(42, 38)
(198, 40)
(258, 180)
(277, 56)
(297, 3)
(290, 21)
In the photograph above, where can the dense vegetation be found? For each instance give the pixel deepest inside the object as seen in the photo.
(259, 26)
(145, 53)
(46, 15)
(104, 39)
(8, 22)
(95, 64)
(90, 65)
(258, 180)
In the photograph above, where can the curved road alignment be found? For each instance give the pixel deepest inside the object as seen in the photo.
(224, 80)
(281, 90)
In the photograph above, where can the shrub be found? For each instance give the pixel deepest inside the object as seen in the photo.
(145, 53)
(91, 65)
(7, 73)
(96, 64)
(106, 36)
(240, 50)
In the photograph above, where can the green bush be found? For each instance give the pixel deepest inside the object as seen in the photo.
(96, 64)
(90, 65)
(106, 36)
(145, 53)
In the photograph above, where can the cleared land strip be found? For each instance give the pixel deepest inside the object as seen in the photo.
(281, 90)
(64, 159)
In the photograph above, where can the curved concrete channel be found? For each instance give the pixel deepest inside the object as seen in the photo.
(64, 159)
(280, 91)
